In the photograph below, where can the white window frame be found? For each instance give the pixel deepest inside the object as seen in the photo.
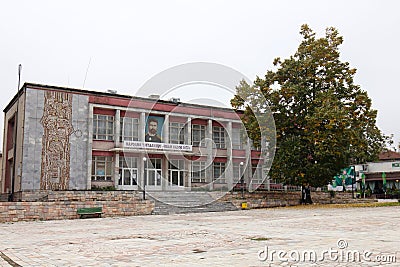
(219, 172)
(236, 172)
(198, 135)
(97, 163)
(128, 164)
(177, 133)
(236, 139)
(177, 165)
(219, 137)
(155, 169)
(132, 125)
(256, 172)
(199, 171)
(106, 132)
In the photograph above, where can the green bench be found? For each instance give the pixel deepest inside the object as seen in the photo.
(90, 212)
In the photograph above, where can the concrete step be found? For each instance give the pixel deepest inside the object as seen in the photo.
(176, 202)
(165, 209)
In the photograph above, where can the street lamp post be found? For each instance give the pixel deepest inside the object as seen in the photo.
(241, 178)
(144, 178)
(353, 179)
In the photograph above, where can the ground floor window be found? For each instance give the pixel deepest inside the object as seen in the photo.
(237, 172)
(257, 174)
(198, 172)
(219, 172)
(102, 168)
(128, 171)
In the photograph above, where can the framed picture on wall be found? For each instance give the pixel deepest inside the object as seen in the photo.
(154, 126)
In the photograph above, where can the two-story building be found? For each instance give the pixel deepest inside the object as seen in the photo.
(58, 138)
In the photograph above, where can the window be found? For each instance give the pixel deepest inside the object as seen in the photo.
(219, 172)
(177, 133)
(257, 174)
(128, 171)
(236, 139)
(219, 137)
(103, 127)
(10, 134)
(253, 147)
(198, 135)
(237, 171)
(198, 171)
(129, 129)
(102, 168)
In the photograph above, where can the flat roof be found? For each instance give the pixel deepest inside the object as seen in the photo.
(110, 94)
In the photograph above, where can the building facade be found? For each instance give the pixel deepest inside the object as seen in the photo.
(58, 138)
(387, 168)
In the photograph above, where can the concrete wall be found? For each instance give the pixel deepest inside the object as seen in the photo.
(8, 153)
(80, 143)
(271, 199)
(383, 167)
(33, 134)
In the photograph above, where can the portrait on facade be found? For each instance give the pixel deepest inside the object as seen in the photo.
(154, 125)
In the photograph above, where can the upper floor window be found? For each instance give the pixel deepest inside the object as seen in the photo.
(236, 139)
(177, 133)
(198, 135)
(219, 137)
(103, 127)
(129, 129)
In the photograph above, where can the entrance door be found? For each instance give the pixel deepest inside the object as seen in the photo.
(176, 173)
(128, 173)
(153, 174)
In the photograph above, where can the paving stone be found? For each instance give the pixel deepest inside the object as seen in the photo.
(232, 238)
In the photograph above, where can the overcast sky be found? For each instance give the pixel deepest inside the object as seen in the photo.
(122, 44)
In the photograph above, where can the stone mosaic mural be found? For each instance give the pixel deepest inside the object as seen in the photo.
(57, 126)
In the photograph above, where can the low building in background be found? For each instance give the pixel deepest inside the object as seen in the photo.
(381, 176)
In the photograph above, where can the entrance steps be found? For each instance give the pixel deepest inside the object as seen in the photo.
(178, 202)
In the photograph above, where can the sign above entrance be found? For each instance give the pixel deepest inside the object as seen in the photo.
(156, 146)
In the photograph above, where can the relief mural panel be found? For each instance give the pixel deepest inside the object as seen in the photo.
(57, 125)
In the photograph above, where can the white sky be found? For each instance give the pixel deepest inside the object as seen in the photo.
(128, 42)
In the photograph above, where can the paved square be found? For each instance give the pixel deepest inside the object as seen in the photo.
(237, 238)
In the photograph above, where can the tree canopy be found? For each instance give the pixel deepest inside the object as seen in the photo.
(324, 121)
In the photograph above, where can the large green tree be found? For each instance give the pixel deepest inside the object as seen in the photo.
(324, 121)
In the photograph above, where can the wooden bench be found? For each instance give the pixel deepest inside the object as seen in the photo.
(90, 212)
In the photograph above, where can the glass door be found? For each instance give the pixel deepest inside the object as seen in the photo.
(153, 173)
(128, 173)
(176, 173)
